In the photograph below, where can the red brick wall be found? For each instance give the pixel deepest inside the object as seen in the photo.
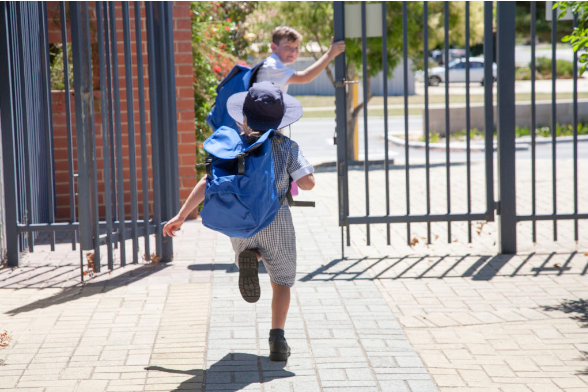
(184, 115)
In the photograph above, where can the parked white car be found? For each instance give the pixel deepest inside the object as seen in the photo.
(457, 72)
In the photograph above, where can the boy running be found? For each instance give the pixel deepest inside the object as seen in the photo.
(262, 108)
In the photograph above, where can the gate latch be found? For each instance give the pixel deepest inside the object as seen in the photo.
(343, 82)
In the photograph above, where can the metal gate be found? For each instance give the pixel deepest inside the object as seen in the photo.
(504, 208)
(28, 133)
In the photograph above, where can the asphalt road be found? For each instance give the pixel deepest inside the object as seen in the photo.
(315, 137)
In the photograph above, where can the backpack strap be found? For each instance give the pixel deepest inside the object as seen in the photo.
(254, 72)
(292, 202)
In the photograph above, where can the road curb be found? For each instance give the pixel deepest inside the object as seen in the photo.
(522, 144)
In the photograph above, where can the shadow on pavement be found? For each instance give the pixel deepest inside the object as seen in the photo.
(229, 268)
(234, 372)
(577, 307)
(578, 310)
(101, 284)
(475, 267)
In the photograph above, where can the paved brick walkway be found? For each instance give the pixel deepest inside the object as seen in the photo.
(386, 318)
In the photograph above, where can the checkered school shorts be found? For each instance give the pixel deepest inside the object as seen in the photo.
(277, 246)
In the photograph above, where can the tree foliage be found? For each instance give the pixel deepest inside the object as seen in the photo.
(579, 37)
(218, 43)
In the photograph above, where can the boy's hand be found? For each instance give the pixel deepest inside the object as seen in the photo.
(336, 47)
(172, 226)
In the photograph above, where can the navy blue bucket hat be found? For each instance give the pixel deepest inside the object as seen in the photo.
(265, 106)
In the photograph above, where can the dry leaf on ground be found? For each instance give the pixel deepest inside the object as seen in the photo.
(91, 264)
(5, 338)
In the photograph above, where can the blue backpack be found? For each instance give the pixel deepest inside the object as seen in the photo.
(240, 79)
(241, 197)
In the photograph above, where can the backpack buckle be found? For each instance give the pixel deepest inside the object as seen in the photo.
(208, 163)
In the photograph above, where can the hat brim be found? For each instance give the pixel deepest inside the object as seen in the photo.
(292, 112)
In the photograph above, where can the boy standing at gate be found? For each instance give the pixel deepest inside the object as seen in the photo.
(285, 47)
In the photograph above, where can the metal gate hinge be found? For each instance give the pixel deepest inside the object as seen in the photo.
(497, 207)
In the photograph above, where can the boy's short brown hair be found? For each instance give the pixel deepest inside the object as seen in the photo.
(287, 32)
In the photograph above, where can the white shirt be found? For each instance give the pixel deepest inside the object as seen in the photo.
(273, 70)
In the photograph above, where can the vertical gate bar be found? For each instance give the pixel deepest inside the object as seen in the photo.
(105, 133)
(19, 132)
(165, 149)
(554, 117)
(468, 123)
(154, 96)
(8, 137)
(507, 221)
(141, 87)
(447, 130)
(171, 89)
(25, 122)
(84, 105)
(163, 131)
(385, 75)
(39, 141)
(15, 47)
(533, 119)
(365, 116)
(25, 82)
(342, 243)
(341, 118)
(35, 83)
(489, 108)
(70, 168)
(130, 125)
(113, 193)
(575, 114)
(47, 115)
(427, 162)
(405, 93)
(118, 133)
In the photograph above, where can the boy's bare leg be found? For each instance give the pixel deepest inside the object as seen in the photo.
(280, 305)
(280, 302)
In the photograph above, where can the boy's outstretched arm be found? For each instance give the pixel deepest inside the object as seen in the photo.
(196, 197)
(315, 69)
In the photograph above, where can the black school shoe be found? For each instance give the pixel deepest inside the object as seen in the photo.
(248, 276)
(279, 349)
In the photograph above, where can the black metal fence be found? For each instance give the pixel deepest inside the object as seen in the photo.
(504, 206)
(27, 129)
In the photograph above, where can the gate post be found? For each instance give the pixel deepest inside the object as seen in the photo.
(84, 104)
(507, 217)
(7, 125)
(163, 123)
(341, 117)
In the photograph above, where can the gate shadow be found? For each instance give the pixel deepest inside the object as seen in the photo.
(475, 267)
(102, 283)
(234, 372)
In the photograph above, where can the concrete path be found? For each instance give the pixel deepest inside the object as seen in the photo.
(445, 316)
